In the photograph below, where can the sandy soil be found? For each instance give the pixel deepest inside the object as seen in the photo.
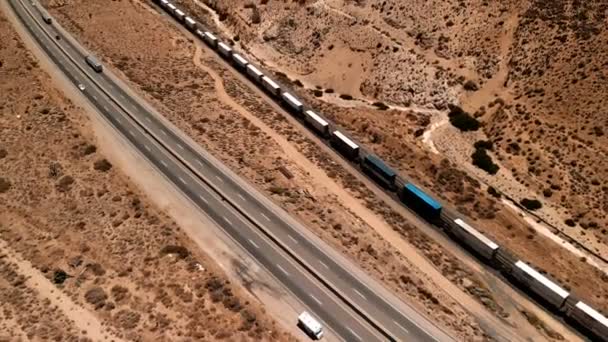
(423, 56)
(84, 253)
(223, 115)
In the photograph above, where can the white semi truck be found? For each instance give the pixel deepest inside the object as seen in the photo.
(310, 325)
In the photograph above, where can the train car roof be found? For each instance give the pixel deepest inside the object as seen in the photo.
(317, 118)
(542, 279)
(593, 313)
(476, 234)
(428, 199)
(381, 164)
(346, 139)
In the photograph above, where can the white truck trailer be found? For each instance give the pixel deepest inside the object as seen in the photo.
(310, 325)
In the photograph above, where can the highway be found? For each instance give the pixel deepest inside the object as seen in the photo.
(343, 302)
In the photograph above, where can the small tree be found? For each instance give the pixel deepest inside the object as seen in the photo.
(482, 160)
(531, 204)
(462, 120)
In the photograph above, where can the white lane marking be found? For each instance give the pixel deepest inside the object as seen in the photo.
(203, 198)
(148, 119)
(131, 132)
(227, 220)
(322, 263)
(95, 97)
(266, 217)
(282, 269)
(241, 196)
(180, 146)
(360, 294)
(199, 162)
(254, 244)
(163, 162)
(219, 178)
(118, 119)
(400, 326)
(354, 333)
(182, 180)
(292, 239)
(122, 97)
(162, 130)
(105, 108)
(147, 148)
(316, 300)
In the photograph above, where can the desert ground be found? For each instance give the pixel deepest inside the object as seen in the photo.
(524, 69)
(84, 254)
(193, 89)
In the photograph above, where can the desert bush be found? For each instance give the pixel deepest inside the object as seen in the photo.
(317, 93)
(119, 293)
(470, 86)
(493, 192)
(531, 204)
(277, 190)
(96, 296)
(485, 144)
(55, 170)
(255, 16)
(180, 251)
(5, 185)
(102, 165)
(89, 149)
(462, 120)
(3, 153)
(346, 97)
(482, 160)
(97, 269)
(128, 319)
(59, 276)
(380, 105)
(65, 183)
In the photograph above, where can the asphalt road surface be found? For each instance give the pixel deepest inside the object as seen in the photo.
(330, 290)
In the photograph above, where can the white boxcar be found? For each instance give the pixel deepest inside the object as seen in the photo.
(539, 284)
(343, 144)
(190, 23)
(164, 3)
(589, 318)
(310, 325)
(317, 122)
(171, 8)
(239, 60)
(200, 34)
(292, 102)
(180, 15)
(271, 86)
(210, 39)
(254, 72)
(474, 239)
(224, 50)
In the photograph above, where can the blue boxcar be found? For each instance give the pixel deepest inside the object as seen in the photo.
(374, 165)
(420, 202)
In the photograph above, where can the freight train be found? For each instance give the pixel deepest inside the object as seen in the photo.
(413, 196)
